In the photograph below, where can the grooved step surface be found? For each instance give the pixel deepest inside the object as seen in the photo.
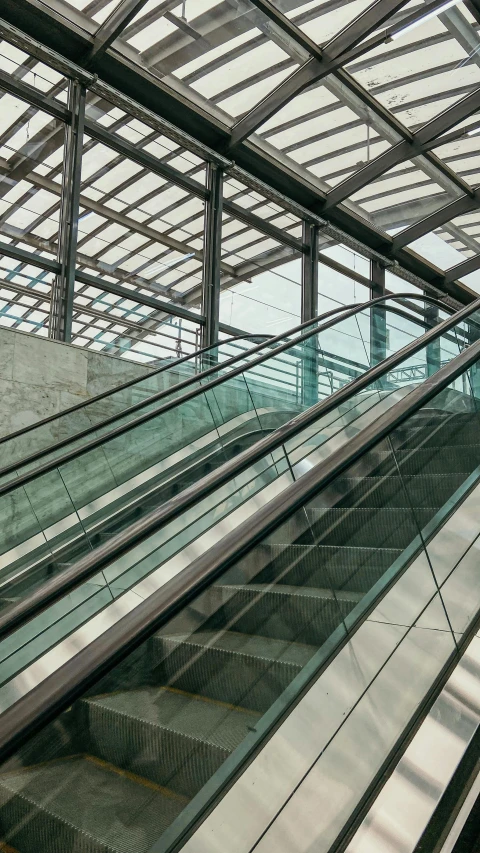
(390, 527)
(431, 460)
(167, 736)
(340, 567)
(422, 490)
(245, 670)
(175, 710)
(297, 614)
(85, 805)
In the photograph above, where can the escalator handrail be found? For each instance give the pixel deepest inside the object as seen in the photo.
(58, 690)
(103, 394)
(88, 566)
(76, 452)
(140, 404)
(204, 350)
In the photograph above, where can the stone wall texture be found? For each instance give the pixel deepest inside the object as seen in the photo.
(39, 377)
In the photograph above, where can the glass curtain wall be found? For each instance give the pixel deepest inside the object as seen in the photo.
(141, 250)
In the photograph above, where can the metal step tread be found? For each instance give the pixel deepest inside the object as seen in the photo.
(374, 511)
(72, 795)
(390, 490)
(198, 718)
(296, 591)
(244, 646)
(344, 567)
(348, 553)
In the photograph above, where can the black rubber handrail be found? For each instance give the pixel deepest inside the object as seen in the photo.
(23, 479)
(70, 578)
(103, 394)
(244, 336)
(57, 692)
(153, 398)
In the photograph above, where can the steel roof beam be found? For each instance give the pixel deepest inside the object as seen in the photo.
(423, 140)
(465, 268)
(35, 97)
(321, 63)
(198, 123)
(439, 217)
(113, 26)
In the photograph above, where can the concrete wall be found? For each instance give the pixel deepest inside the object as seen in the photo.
(39, 377)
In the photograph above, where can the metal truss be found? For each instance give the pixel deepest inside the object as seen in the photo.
(288, 211)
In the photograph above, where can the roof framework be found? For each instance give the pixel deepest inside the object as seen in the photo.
(357, 117)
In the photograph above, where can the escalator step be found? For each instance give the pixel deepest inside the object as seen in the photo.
(230, 667)
(433, 460)
(461, 429)
(83, 804)
(361, 527)
(346, 568)
(423, 490)
(295, 614)
(167, 736)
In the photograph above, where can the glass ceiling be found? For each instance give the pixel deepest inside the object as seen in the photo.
(230, 56)
(235, 59)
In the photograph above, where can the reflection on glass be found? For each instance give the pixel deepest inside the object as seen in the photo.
(192, 700)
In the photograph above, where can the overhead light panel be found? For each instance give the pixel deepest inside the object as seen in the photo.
(432, 14)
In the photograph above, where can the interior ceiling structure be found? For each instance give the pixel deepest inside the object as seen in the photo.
(366, 113)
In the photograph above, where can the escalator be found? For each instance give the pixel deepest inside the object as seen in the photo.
(33, 444)
(243, 686)
(59, 504)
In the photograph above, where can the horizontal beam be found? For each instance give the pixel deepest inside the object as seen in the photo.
(262, 225)
(465, 268)
(126, 221)
(436, 219)
(174, 109)
(35, 97)
(153, 164)
(86, 278)
(29, 258)
(143, 158)
(421, 142)
(147, 161)
(150, 301)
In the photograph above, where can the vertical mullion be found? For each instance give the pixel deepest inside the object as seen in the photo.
(432, 316)
(378, 316)
(309, 308)
(212, 255)
(61, 311)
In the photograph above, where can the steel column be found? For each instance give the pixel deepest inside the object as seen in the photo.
(433, 348)
(309, 310)
(378, 316)
(309, 272)
(212, 255)
(60, 327)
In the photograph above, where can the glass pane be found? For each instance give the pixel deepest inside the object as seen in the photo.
(123, 486)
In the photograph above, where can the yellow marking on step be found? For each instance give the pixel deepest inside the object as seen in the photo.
(180, 693)
(7, 848)
(212, 701)
(140, 780)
